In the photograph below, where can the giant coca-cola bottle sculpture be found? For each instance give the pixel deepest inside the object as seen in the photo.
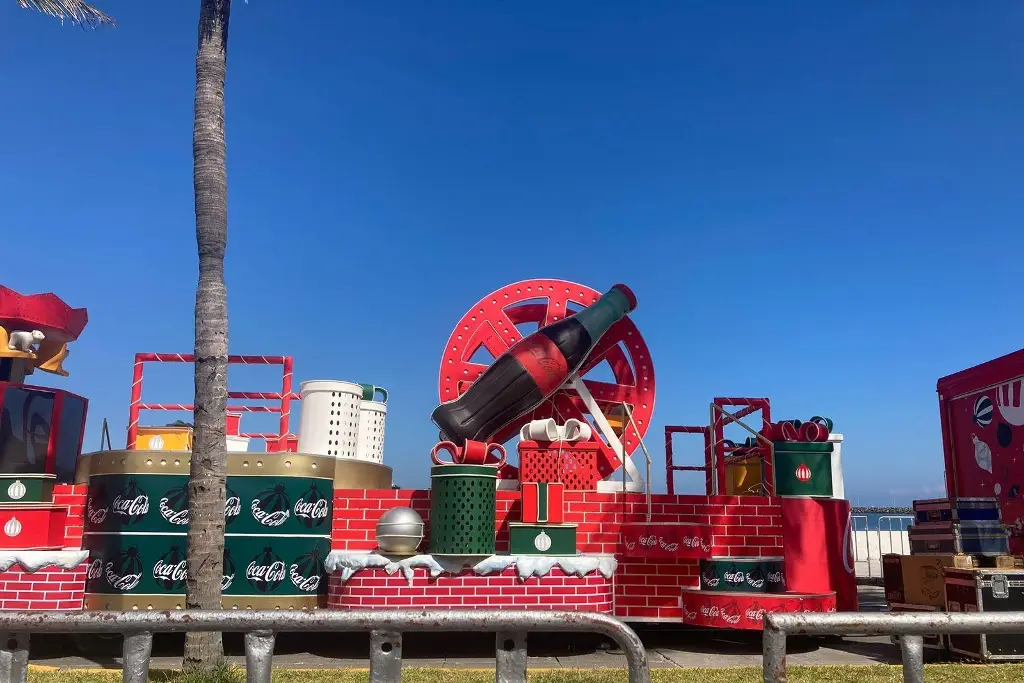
(529, 372)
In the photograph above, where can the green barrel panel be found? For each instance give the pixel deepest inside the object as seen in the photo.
(154, 564)
(463, 500)
(158, 503)
(743, 574)
(803, 468)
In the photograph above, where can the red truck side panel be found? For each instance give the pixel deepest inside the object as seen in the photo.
(982, 415)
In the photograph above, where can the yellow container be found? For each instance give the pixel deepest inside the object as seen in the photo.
(744, 476)
(164, 439)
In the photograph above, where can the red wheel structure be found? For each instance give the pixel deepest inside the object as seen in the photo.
(491, 324)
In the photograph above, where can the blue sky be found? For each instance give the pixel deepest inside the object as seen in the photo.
(812, 201)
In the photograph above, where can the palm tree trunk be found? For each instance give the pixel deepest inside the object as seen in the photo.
(209, 457)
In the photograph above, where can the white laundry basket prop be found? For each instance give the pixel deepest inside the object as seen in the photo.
(372, 414)
(330, 418)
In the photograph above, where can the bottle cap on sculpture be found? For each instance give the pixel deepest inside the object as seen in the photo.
(628, 294)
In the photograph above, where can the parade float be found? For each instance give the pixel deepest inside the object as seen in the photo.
(535, 499)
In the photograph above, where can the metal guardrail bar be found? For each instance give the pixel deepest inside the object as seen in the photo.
(385, 626)
(911, 627)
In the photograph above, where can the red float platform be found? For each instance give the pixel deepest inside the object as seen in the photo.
(644, 587)
(636, 556)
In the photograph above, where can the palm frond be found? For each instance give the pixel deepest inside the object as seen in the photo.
(75, 11)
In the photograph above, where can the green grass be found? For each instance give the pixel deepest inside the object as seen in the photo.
(880, 673)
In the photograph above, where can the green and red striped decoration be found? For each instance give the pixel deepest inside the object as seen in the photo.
(543, 503)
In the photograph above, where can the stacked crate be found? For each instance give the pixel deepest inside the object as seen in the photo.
(968, 526)
(982, 575)
(916, 583)
(946, 536)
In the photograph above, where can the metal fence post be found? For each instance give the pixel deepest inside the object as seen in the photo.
(138, 647)
(385, 657)
(259, 656)
(14, 657)
(912, 648)
(510, 657)
(773, 646)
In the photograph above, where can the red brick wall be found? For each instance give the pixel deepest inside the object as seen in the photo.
(555, 590)
(72, 495)
(645, 589)
(50, 588)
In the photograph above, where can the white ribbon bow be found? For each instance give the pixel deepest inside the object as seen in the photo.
(548, 430)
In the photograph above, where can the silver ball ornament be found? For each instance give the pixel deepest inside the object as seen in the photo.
(400, 531)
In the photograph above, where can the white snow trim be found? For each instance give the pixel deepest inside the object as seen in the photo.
(34, 560)
(527, 565)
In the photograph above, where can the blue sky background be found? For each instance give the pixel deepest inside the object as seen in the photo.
(816, 202)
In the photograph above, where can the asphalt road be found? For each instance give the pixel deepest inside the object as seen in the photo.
(666, 647)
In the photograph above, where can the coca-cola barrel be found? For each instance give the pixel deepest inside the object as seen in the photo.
(277, 517)
(743, 574)
(462, 509)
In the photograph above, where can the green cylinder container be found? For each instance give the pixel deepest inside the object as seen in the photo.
(743, 574)
(803, 469)
(462, 509)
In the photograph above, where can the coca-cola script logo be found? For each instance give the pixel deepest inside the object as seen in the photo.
(131, 503)
(695, 542)
(124, 572)
(709, 580)
(95, 570)
(730, 614)
(754, 613)
(316, 511)
(709, 611)
(96, 509)
(271, 507)
(265, 574)
(649, 541)
(174, 506)
(687, 614)
(171, 575)
(232, 507)
(179, 517)
(734, 578)
(265, 518)
(131, 507)
(266, 571)
(755, 580)
(774, 578)
(121, 582)
(303, 583)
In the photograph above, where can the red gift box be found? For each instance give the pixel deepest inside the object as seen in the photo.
(543, 503)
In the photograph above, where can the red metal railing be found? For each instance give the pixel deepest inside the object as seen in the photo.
(671, 468)
(716, 449)
(285, 396)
